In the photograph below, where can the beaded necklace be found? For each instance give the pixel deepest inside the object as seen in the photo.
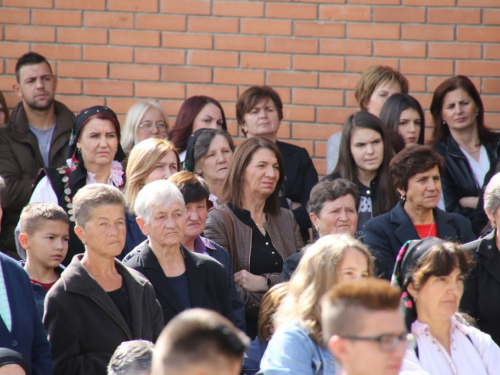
(441, 350)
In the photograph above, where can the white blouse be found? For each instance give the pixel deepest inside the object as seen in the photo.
(472, 352)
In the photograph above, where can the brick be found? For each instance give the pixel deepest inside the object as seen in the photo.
(284, 130)
(185, 6)
(82, 36)
(308, 145)
(320, 165)
(240, 43)
(491, 103)
(120, 105)
(454, 16)
(434, 82)
(15, 16)
(159, 56)
(491, 86)
(182, 40)
(478, 68)
(56, 18)
(318, 97)
(284, 93)
(186, 74)
(213, 58)
(399, 14)
(338, 81)
(360, 64)
(215, 91)
(291, 11)
(27, 3)
(239, 77)
(160, 90)
(478, 34)
(310, 131)
(436, 3)
(133, 5)
(454, 50)
(266, 27)
(492, 119)
(492, 52)
(109, 20)
(319, 29)
(320, 63)
(108, 54)
(82, 70)
(292, 79)
(375, 2)
(350, 99)
(162, 22)
(344, 13)
(491, 16)
(10, 65)
(13, 50)
(238, 8)
(325, 1)
(427, 66)
(333, 116)
(108, 88)
(372, 31)
(56, 52)
(69, 86)
(6, 83)
(265, 61)
(424, 100)
(416, 84)
(77, 102)
(319, 149)
(346, 47)
(30, 33)
(213, 25)
(299, 113)
(427, 32)
(79, 5)
(292, 45)
(134, 38)
(399, 49)
(134, 72)
(479, 3)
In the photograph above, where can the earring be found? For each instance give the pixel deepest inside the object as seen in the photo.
(79, 150)
(477, 114)
(444, 122)
(403, 198)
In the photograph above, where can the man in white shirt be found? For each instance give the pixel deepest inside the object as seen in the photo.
(36, 136)
(364, 328)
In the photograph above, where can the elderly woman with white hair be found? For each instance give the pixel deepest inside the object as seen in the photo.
(182, 279)
(146, 119)
(481, 298)
(98, 303)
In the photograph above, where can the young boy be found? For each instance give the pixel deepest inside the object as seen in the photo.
(44, 236)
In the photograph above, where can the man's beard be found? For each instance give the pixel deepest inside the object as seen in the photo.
(37, 106)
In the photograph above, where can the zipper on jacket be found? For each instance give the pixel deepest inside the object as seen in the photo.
(112, 317)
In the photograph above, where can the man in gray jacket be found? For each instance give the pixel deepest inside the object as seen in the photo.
(36, 136)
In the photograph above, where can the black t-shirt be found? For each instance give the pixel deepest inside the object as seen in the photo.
(181, 287)
(121, 300)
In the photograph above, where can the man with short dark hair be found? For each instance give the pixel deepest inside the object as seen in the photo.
(36, 136)
(199, 342)
(364, 328)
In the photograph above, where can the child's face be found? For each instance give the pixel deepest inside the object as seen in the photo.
(48, 245)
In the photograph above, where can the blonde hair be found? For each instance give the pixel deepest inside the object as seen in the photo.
(268, 306)
(133, 119)
(374, 76)
(316, 274)
(142, 161)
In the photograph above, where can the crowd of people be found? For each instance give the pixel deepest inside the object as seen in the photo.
(152, 248)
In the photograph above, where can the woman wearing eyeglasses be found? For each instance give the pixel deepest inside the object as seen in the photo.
(297, 346)
(147, 119)
(431, 274)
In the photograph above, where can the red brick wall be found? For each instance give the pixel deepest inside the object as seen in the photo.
(116, 52)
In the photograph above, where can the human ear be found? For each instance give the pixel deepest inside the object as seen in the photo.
(314, 220)
(23, 240)
(142, 226)
(80, 233)
(337, 347)
(412, 291)
(17, 89)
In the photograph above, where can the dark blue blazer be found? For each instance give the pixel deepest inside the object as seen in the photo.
(134, 235)
(28, 335)
(387, 233)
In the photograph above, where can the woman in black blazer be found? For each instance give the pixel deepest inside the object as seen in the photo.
(182, 279)
(482, 286)
(416, 173)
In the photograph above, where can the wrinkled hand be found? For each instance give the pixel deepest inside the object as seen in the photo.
(470, 202)
(250, 282)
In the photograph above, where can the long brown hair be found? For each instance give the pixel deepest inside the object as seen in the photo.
(441, 129)
(346, 166)
(233, 184)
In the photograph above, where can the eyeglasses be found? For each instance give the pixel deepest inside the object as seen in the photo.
(148, 126)
(387, 342)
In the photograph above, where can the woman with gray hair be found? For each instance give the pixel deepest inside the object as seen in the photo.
(481, 298)
(182, 279)
(98, 303)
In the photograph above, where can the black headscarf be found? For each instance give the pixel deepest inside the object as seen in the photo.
(10, 357)
(80, 120)
(406, 261)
